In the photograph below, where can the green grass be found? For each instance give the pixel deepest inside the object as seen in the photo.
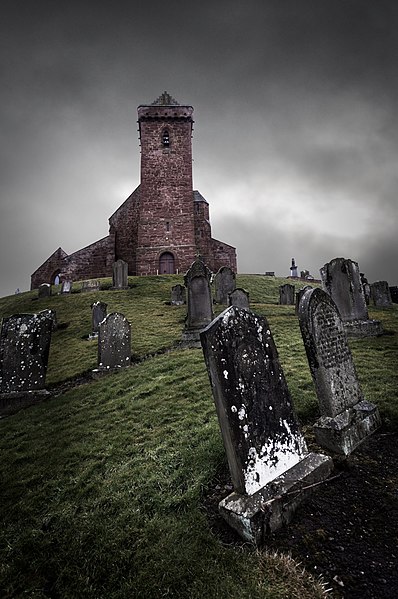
(103, 486)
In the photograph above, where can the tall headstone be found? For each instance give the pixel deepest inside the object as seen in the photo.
(114, 342)
(178, 295)
(66, 287)
(380, 293)
(299, 295)
(346, 417)
(286, 295)
(224, 283)
(98, 313)
(341, 280)
(24, 350)
(200, 305)
(120, 275)
(44, 290)
(266, 451)
(239, 297)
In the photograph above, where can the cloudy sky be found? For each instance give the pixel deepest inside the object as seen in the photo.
(296, 132)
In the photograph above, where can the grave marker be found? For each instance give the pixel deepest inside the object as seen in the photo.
(120, 275)
(114, 343)
(90, 285)
(239, 298)
(200, 305)
(178, 295)
(346, 418)
(286, 295)
(224, 283)
(44, 290)
(380, 293)
(266, 451)
(98, 313)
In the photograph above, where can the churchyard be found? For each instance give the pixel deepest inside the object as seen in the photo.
(110, 487)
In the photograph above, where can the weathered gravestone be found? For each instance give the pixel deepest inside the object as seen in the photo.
(267, 454)
(120, 275)
(114, 343)
(66, 287)
(90, 285)
(98, 313)
(346, 418)
(286, 295)
(299, 295)
(394, 294)
(44, 290)
(239, 298)
(341, 280)
(24, 349)
(178, 295)
(224, 283)
(200, 305)
(380, 293)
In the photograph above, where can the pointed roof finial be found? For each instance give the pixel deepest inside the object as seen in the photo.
(165, 100)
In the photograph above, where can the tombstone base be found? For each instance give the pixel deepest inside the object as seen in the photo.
(98, 373)
(363, 328)
(191, 338)
(343, 433)
(11, 403)
(256, 516)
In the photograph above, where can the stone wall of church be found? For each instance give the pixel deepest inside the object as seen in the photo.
(47, 271)
(92, 262)
(124, 225)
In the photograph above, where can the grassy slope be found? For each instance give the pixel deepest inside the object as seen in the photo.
(102, 486)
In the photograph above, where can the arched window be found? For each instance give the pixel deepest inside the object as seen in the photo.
(166, 264)
(166, 138)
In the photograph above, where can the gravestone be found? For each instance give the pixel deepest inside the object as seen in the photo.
(24, 349)
(114, 343)
(341, 280)
(239, 298)
(299, 295)
(200, 305)
(346, 417)
(267, 454)
(90, 285)
(286, 295)
(45, 290)
(365, 287)
(381, 296)
(66, 287)
(394, 294)
(178, 295)
(120, 275)
(224, 283)
(98, 313)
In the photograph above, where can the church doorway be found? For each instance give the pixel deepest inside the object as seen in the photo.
(166, 264)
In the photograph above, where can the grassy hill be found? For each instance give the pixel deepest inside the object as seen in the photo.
(103, 485)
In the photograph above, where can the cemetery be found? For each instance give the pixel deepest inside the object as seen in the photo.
(205, 470)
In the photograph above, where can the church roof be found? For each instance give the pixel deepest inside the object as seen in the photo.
(165, 100)
(197, 197)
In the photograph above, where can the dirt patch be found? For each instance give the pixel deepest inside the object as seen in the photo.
(347, 532)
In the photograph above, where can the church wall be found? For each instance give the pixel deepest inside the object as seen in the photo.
(45, 272)
(92, 262)
(223, 255)
(124, 225)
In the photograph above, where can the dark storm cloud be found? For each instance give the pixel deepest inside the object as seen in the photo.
(295, 141)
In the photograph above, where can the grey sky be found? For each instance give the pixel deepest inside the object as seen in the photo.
(295, 143)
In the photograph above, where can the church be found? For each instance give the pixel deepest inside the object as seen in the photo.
(164, 225)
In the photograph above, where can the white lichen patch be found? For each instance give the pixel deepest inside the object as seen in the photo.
(242, 413)
(234, 409)
(225, 373)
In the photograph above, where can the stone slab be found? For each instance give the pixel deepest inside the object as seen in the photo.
(363, 328)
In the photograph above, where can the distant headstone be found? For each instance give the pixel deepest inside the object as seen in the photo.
(239, 298)
(341, 280)
(299, 295)
(98, 313)
(24, 349)
(120, 275)
(380, 293)
(365, 287)
(178, 295)
(394, 294)
(266, 451)
(114, 342)
(66, 287)
(269, 273)
(346, 418)
(224, 283)
(286, 295)
(200, 305)
(44, 290)
(90, 285)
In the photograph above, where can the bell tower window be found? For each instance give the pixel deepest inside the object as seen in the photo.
(166, 138)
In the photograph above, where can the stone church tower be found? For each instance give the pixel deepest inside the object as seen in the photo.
(164, 224)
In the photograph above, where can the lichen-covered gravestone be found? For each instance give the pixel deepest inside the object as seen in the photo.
(239, 297)
(24, 349)
(224, 283)
(286, 295)
(44, 290)
(267, 455)
(90, 285)
(200, 305)
(114, 342)
(380, 293)
(341, 280)
(120, 275)
(98, 313)
(178, 295)
(299, 295)
(346, 418)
